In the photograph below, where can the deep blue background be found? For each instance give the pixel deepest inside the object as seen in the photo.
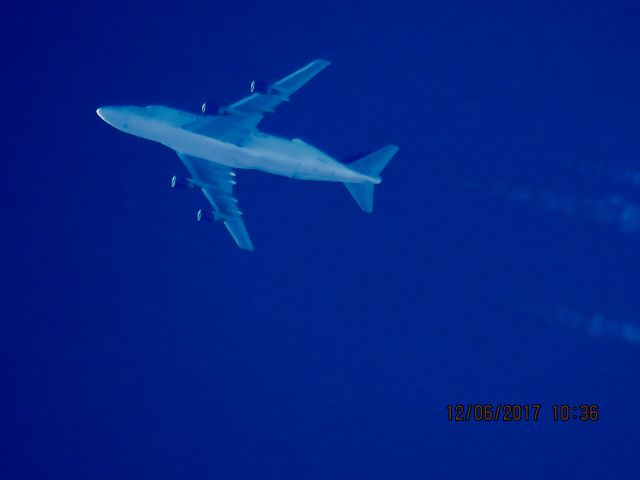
(139, 344)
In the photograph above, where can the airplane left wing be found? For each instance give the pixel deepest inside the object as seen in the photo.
(216, 182)
(235, 122)
(265, 98)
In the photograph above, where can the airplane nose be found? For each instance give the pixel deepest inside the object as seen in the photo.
(101, 113)
(119, 117)
(109, 115)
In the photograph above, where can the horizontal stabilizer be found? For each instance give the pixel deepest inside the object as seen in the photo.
(372, 165)
(363, 195)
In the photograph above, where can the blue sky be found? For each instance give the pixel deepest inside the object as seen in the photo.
(496, 267)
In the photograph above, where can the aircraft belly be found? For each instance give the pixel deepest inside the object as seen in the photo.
(209, 148)
(295, 168)
(278, 160)
(308, 169)
(254, 157)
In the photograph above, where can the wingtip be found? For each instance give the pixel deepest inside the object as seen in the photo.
(392, 149)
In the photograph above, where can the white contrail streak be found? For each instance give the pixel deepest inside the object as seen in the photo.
(595, 325)
(611, 210)
(628, 175)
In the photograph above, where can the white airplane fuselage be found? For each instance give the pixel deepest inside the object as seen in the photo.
(259, 151)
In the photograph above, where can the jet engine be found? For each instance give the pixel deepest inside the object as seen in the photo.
(203, 215)
(210, 108)
(180, 183)
(258, 86)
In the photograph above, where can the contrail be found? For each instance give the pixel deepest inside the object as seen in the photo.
(618, 174)
(611, 210)
(627, 175)
(595, 325)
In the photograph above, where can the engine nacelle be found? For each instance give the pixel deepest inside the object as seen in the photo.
(180, 183)
(258, 86)
(203, 215)
(210, 108)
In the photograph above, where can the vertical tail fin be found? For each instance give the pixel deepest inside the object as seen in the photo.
(371, 165)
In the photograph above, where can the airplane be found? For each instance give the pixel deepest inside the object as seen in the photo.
(212, 144)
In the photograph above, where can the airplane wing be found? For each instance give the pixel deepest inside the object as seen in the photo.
(238, 120)
(216, 182)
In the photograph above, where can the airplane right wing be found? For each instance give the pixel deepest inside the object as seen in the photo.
(236, 121)
(265, 98)
(216, 182)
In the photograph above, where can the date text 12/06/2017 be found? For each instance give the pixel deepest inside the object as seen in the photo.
(521, 412)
